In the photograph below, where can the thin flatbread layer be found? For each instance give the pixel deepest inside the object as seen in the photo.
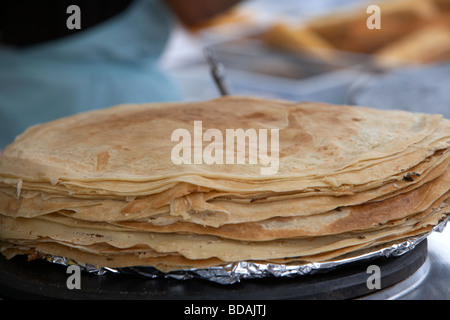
(200, 246)
(350, 176)
(171, 261)
(351, 219)
(228, 212)
(187, 197)
(133, 142)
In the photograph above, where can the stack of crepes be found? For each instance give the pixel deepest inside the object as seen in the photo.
(101, 187)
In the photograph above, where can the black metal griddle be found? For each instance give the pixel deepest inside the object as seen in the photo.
(39, 279)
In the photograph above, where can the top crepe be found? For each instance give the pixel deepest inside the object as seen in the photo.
(130, 146)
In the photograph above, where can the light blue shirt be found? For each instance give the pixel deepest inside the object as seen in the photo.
(112, 63)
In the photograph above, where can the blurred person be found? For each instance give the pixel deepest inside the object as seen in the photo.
(48, 70)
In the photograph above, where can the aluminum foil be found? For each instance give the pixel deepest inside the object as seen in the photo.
(235, 272)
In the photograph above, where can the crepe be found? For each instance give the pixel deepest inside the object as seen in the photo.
(109, 145)
(102, 187)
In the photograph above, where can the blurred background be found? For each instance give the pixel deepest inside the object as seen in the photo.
(154, 51)
(323, 51)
